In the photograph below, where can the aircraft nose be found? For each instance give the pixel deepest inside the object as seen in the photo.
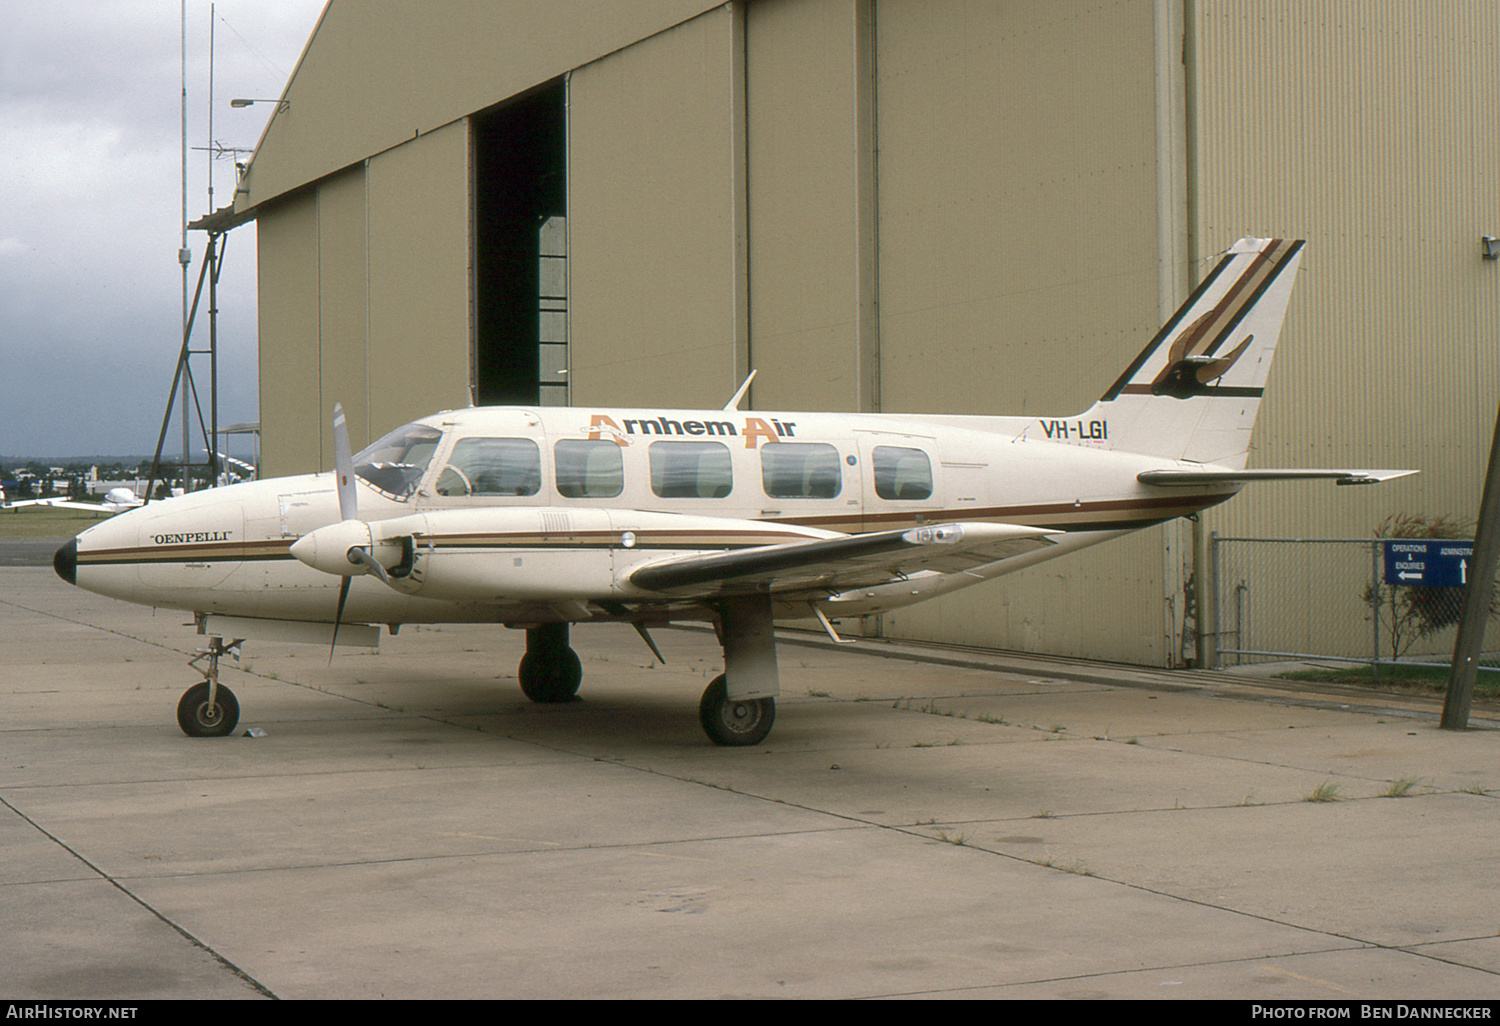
(65, 562)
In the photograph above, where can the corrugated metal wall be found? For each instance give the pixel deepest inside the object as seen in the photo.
(364, 280)
(811, 189)
(1019, 267)
(1371, 130)
(375, 75)
(656, 233)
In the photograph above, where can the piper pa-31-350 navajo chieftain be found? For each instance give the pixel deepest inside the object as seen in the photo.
(543, 518)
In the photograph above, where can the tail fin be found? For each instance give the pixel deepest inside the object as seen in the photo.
(1193, 392)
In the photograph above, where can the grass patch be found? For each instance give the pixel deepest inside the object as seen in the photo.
(1429, 679)
(40, 522)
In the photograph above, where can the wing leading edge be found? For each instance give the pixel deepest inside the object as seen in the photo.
(839, 563)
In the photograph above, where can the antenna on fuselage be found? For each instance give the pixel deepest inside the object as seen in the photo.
(734, 403)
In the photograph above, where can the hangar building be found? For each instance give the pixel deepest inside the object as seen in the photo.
(940, 206)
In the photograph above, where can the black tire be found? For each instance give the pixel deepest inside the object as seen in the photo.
(734, 724)
(195, 718)
(550, 676)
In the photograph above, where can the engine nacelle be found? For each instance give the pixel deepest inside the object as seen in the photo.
(545, 554)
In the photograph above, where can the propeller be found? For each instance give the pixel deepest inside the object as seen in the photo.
(342, 548)
(343, 468)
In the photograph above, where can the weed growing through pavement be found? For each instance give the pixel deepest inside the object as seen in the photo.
(1401, 787)
(1327, 791)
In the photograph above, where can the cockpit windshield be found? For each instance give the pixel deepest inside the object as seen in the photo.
(395, 464)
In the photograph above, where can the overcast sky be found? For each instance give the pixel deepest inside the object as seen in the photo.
(91, 210)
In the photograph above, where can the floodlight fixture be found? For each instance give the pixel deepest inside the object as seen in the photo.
(282, 106)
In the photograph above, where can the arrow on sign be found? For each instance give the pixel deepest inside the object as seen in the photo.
(1409, 577)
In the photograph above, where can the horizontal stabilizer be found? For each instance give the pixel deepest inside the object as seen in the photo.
(839, 563)
(1212, 475)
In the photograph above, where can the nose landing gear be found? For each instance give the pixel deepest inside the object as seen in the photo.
(208, 709)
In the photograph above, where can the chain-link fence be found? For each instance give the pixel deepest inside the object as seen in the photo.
(1366, 600)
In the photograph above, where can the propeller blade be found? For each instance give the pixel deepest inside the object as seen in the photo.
(338, 617)
(343, 466)
(363, 558)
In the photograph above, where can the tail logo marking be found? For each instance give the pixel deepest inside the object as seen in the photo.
(1189, 357)
(1189, 374)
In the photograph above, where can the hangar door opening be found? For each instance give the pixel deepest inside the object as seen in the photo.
(520, 255)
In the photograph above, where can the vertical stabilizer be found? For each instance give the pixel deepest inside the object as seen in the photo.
(1193, 392)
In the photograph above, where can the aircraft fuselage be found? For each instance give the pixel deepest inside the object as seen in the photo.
(595, 490)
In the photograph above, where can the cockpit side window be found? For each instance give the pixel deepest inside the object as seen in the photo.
(492, 466)
(395, 464)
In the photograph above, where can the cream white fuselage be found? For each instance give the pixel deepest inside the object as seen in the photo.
(540, 518)
(562, 552)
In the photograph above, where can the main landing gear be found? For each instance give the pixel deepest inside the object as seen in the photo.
(738, 707)
(734, 724)
(208, 709)
(550, 671)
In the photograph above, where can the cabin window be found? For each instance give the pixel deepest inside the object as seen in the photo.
(800, 470)
(492, 466)
(690, 470)
(589, 469)
(902, 473)
(395, 464)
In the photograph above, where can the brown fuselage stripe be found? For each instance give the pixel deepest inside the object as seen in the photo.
(1103, 515)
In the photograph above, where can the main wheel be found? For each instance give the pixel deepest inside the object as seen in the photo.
(550, 675)
(196, 718)
(736, 724)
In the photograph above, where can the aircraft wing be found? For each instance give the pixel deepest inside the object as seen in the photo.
(1223, 475)
(92, 507)
(840, 563)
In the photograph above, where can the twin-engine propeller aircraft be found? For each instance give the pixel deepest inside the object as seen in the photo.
(543, 518)
(116, 500)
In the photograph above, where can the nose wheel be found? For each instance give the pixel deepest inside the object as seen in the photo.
(204, 713)
(208, 709)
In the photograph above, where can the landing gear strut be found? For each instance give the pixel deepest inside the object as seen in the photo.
(209, 709)
(550, 670)
(739, 706)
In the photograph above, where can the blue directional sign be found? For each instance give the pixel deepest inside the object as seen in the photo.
(1428, 563)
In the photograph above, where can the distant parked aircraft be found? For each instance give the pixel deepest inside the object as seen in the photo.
(116, 500)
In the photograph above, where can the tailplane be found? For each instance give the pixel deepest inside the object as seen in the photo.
(1193, 392)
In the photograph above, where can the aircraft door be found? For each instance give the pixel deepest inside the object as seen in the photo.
(899, 479)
